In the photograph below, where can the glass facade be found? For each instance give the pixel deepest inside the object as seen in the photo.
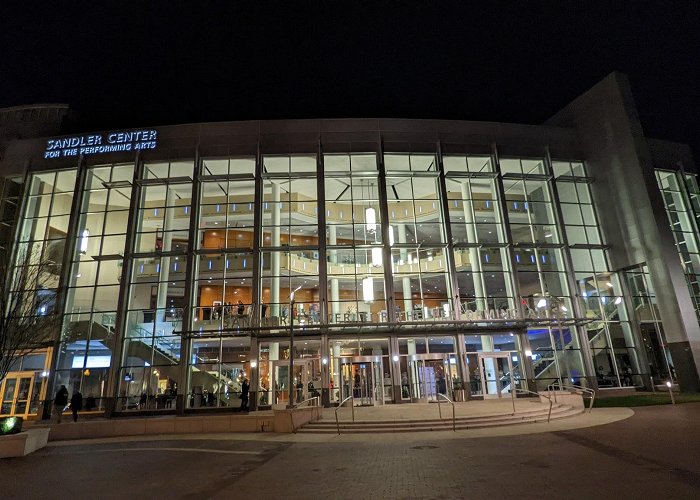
(402, 275)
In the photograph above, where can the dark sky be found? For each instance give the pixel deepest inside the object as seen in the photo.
(149, 63)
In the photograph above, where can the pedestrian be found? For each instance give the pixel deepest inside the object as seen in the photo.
(59, 403)
(76, 404)
(245, 388)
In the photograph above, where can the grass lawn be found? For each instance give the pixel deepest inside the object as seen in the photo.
(646, 399)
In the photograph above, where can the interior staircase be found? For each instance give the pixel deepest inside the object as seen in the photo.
(537, 414)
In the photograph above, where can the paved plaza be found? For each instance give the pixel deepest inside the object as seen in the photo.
(653, 454)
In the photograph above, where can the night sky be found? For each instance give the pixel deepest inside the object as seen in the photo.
(148, 63)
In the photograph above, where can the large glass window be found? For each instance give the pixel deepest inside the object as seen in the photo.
(290, 258)
(87, 339)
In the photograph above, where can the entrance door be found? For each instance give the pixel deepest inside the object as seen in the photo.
(16, 395)
(361, 378)
(280, 381)
(429, 375)
(496, 374)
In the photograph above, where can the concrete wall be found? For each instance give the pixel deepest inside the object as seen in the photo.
(631, 210)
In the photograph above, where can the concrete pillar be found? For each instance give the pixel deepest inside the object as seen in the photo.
(273, 355)
(413, 379)
(489, 378)
(164, 274)
(254, 397)
(474, 258)
(335, 292)
(335, 373)
(275, 261)
(405, 281)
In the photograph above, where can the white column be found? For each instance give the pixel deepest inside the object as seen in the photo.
(275, 261)
(415, 390)
(164, 273)
(335, 375)
(474, 260)
(405, 281)
(335, 292)
(274, 355)
(490, 378)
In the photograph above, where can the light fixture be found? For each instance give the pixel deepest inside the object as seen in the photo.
(324, 361)
(253, 364)
(563, 309)
(395, 358)
(391, 236)
(609, 285)
(528, 353)
(618, 301)
(84, 241)
(377, 257)
(371, 219)
(541, 303)
(368, 289)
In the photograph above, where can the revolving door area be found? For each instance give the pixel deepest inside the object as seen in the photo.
(362, 378)
(428, 375)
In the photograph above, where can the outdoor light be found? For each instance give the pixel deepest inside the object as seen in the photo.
(541, 303)
(253, 364)
(618, 301)
(324, 361)
(368, 289)
(395, 358)
(370, 219)
(84, 241)
(668, 384)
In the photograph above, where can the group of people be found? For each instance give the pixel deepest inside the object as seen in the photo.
(60, 403)
(230, 313)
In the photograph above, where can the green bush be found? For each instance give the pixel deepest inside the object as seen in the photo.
(10, 425)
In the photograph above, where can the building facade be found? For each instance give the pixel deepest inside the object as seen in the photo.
(387, 260)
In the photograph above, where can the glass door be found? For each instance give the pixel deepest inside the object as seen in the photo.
(496, 375)
(429, 375)
(16, 395)
(361, 378)
(280, 381)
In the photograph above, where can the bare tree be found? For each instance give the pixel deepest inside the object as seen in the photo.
(28, 316)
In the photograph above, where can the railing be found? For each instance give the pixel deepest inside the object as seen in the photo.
(576, 388)
(454, 419)
(352, 405)
(315, 399)
(525, 391)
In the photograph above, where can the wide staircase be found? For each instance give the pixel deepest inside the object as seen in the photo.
(428, 417)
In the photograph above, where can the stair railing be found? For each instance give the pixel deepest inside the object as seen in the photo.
(352, 405)
(525, 391)
(454, 419)
(576, 388)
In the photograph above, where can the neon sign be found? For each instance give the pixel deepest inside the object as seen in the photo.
(109, 142)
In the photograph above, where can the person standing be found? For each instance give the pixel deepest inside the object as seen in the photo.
(76, 404)
(59, 403)
(245, 389)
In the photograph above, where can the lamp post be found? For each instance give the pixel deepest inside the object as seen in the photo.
(290, 382)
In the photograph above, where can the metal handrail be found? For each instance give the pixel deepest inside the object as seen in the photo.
(549, 415)
(454, 419)
(586, 390)
(315, 398)
(291, 413)
(352, 405)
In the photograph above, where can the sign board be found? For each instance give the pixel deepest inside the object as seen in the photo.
(108, 142)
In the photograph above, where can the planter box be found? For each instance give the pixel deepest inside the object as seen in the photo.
(24, 443)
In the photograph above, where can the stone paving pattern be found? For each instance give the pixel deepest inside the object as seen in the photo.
(653, 454)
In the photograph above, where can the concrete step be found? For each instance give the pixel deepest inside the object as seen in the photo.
(447, 415)
(437, 425)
